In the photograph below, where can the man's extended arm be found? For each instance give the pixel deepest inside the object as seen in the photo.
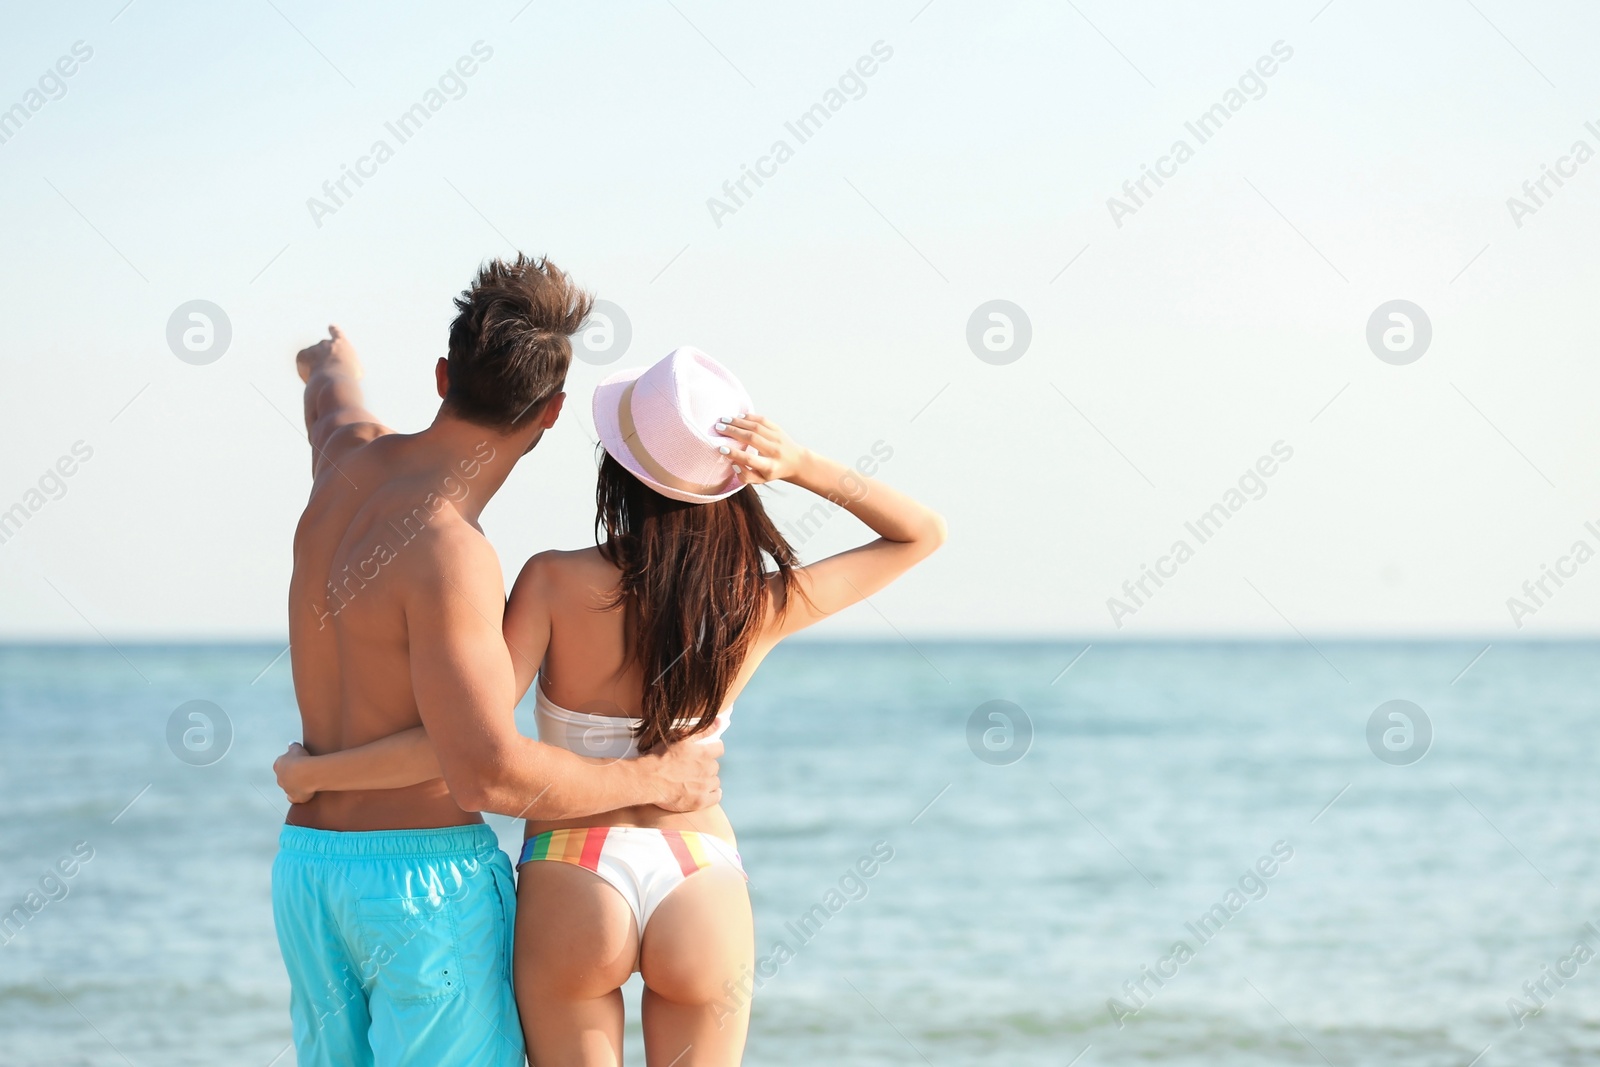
(337, 419)
(466, 692)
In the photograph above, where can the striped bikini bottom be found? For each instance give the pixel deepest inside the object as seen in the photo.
(642, 863)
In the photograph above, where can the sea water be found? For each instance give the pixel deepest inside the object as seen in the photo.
(1067, 847)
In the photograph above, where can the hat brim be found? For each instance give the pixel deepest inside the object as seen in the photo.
(607, 425)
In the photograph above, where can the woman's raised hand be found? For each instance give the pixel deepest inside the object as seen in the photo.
(761, 452)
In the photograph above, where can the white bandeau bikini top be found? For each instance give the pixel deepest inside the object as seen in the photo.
(598, 736)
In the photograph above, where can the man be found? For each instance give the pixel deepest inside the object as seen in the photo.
(394, 906)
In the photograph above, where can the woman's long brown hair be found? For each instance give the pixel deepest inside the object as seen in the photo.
(694, 592)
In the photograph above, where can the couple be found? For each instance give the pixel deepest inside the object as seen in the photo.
(394, 905)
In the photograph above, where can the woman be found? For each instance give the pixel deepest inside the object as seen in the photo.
(647, 639)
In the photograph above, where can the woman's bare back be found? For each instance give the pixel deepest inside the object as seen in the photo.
(586, 667)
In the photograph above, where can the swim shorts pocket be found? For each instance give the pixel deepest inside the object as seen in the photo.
(409, 948)
(506, 891)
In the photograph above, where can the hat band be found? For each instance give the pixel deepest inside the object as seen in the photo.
(630, 434)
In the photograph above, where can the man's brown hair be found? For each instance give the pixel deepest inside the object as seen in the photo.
(509, 344)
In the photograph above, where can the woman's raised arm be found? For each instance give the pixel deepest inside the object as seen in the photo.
(908, 531)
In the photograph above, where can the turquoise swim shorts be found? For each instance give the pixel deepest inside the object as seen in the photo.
(398, 946)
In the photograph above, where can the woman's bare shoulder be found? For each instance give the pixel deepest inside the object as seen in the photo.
(563, 561)
(556, 571)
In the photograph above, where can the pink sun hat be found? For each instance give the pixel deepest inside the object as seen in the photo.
(660, 423)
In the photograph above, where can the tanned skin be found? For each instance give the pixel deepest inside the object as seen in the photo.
(395, 609)
(577, 941)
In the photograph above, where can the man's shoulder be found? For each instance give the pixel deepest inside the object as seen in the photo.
(444, 541)
(353, 473)
(355, 454)
(401, 517)
(355, 435)
(447, 564)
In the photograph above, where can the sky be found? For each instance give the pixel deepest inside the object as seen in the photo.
(1214, 344)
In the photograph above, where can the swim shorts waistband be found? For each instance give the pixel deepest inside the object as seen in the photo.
(471, 840)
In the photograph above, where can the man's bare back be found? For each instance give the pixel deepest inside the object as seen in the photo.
(355, 544)
(395, 611)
